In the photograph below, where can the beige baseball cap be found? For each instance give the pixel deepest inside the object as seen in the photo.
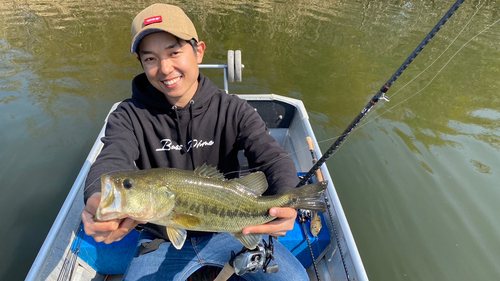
(162, 17)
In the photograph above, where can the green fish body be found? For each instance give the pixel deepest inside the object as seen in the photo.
(201, 200)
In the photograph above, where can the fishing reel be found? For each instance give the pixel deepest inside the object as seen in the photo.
(304, 215)
(251, 261)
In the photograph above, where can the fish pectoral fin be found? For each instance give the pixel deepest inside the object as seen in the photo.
(250, 241)
(177, 236)
(186, 220)
(255, 183)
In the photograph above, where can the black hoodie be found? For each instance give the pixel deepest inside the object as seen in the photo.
(146, 131)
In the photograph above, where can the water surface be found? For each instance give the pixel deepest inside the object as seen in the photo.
(418, 180)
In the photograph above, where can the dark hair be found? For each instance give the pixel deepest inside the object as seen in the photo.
(193, 44)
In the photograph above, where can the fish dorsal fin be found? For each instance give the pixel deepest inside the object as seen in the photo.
(208, 171)
(256, 183)
(177, 236)
(250, 241)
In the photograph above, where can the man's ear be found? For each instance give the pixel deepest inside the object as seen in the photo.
(200, 51)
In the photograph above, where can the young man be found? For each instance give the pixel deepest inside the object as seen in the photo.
(177, 118)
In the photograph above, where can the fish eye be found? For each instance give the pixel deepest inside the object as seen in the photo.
(127, 183)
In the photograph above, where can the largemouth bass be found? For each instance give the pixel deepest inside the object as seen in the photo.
(201, 200)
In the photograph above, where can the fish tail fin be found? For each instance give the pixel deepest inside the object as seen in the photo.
(309, 197)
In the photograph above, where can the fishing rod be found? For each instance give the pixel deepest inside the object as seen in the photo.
(381, 94)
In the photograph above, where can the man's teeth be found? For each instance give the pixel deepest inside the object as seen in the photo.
(172, 82)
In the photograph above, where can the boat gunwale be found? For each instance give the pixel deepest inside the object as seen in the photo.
(347, 236)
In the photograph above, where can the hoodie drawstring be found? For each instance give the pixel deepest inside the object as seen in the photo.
(191, 125)
(179, 130)
(182, 141)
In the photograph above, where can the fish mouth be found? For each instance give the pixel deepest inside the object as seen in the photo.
(110, 206)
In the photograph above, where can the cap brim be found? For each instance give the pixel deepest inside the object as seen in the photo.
(145, 32)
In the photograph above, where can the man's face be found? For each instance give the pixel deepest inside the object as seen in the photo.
(171, 66)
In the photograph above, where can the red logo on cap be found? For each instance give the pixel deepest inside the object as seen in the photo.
(152, 20)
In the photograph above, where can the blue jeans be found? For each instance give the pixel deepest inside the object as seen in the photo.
(168, 263)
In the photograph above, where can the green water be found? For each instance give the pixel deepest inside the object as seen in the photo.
(418, 180)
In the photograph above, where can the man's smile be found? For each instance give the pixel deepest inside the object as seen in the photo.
(171, 82)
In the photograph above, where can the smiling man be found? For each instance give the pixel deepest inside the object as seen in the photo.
(171, 66)
(178, 118)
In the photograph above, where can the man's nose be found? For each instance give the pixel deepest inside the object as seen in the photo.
(166, 66)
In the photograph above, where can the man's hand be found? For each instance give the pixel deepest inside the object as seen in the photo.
(278, 227)
(107, 231)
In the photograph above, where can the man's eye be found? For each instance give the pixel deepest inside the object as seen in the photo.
(148, 59)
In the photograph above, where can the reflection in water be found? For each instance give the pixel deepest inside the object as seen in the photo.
(63, 63)
(481, 167)
(7, 100)
(346, 36)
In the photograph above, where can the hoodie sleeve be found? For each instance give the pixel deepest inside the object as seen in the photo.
(264, 152)
(119, 152)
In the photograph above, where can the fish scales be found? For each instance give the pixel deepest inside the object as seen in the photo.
(201, 200)
(224, 207)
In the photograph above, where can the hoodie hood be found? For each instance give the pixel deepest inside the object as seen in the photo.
(144, 92)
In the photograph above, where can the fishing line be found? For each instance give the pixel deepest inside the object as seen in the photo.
(418, 92)
(432, 80)
(305, 147)
(381, 94)
(276, 159)
(452, 42)
(426, 69)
